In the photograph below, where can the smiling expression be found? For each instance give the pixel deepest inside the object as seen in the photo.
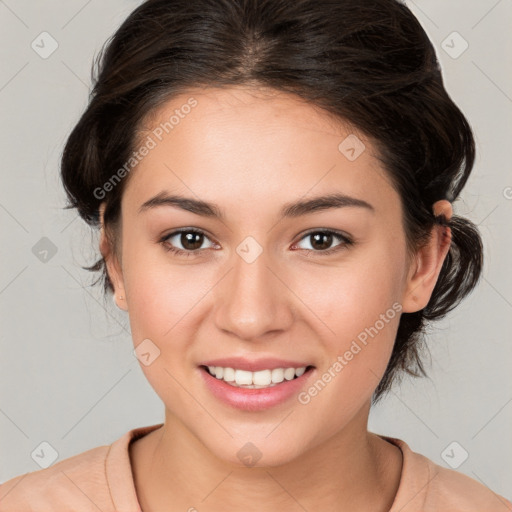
(290, 250)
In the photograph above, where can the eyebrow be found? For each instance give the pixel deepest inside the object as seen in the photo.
(289, 210)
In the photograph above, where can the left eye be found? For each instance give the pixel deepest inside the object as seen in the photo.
(321, 241)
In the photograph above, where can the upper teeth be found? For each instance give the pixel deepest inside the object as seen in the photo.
(260, 378)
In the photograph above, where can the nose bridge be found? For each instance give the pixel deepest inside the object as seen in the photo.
(251, 300)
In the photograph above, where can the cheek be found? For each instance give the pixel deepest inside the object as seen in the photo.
(160, 293)
(359, 308)
(162, 299)
(355, 360)
(352, 296)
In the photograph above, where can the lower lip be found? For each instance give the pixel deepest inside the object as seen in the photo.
(248, 399)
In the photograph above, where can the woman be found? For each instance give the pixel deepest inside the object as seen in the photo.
(273, 182)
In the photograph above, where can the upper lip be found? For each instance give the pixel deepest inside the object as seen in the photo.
(254, 365)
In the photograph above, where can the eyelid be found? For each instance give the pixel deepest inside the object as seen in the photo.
(346, 240)
(179, 231)
(341, 234)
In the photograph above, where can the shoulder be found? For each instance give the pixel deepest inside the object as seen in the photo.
(465, 492)
(449, 487)
(429, 487)
(75, 483)
(97, 479)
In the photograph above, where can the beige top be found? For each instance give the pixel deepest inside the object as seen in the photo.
(102, 479)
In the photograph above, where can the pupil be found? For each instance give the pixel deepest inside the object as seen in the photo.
(187, 240)
(325, 236)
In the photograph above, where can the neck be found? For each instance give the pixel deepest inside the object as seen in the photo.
(351, 471)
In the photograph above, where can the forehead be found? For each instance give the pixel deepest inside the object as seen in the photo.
(244, 100)
(243, 143)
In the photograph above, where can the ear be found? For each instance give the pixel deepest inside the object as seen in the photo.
(428, 262)
(113, 265)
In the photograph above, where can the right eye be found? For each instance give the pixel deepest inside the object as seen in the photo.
(191, 240)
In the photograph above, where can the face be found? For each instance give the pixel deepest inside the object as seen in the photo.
(258, 281)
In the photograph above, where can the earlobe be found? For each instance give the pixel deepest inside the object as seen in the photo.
(118, 299)
(115, 276)
(428, 261)
(112, 265)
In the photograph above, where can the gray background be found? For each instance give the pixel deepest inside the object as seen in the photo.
(68, 375)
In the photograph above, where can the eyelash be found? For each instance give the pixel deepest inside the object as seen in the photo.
(346, 242)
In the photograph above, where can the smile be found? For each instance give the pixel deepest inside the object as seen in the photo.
(258, 390)
(255, 380)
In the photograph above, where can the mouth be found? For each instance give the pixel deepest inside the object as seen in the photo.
(261, 379)
(251, 383)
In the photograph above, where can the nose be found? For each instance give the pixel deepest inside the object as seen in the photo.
(253, 301)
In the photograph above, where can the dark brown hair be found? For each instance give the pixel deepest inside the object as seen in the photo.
(366, 62)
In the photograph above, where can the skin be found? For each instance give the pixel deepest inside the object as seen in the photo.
(250, 151)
